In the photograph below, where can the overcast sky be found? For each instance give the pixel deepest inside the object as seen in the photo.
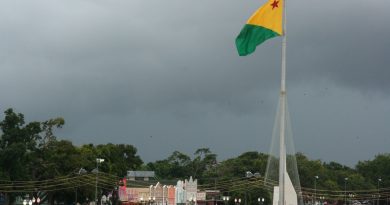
(164, 75)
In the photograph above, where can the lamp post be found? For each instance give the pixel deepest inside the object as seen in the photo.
(193, 201)
(351, 196)
(345, 190)
(98, 160)
(153, 200)
(248, 175)
(322, 200)
(237, 201)
(80, 172)
(260, 200)
(37, 200)
(225, 199)
(315, 189)
(379, 180)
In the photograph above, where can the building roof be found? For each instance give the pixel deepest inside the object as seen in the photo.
(140, 173)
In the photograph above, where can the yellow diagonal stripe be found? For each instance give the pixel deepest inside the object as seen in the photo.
(270, 16)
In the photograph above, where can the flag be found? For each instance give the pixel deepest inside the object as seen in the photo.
(264, 24)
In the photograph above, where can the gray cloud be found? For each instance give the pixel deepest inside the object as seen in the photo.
(122, 71)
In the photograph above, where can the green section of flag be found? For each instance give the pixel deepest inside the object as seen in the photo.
(250, 37)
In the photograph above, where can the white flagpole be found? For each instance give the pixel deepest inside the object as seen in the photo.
(282, 157)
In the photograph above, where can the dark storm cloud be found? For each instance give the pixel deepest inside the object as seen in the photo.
(344, 42)
(122, 71)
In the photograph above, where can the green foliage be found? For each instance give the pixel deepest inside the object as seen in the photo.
(17, 142)
(237, 167)
(204, 161)
(31, 151)
(379, 168)
(47, 128)
(177, 165)
(119, 158)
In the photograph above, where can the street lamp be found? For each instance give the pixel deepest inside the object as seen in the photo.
(345, 190)
(192, 200)
(322, 200)
(379, 180)
(351, 196)
(315, 189)
(260, 200)
(37, 200)
(151, 200)
(98, 160)
(248, 175)
(225, 199)
(80, 172)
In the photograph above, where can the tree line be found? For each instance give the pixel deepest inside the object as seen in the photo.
(31, 152)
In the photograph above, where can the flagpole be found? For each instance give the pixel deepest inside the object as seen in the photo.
(282, 145)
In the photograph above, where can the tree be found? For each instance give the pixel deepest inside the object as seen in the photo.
(374, 169)
(60, 158)
(203, 161)
(47, 128)
(120, 158)
(17, 142)
(176, 166)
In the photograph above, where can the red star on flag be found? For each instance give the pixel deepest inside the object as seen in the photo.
(275, 4)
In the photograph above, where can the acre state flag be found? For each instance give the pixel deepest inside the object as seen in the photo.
(264, 24)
